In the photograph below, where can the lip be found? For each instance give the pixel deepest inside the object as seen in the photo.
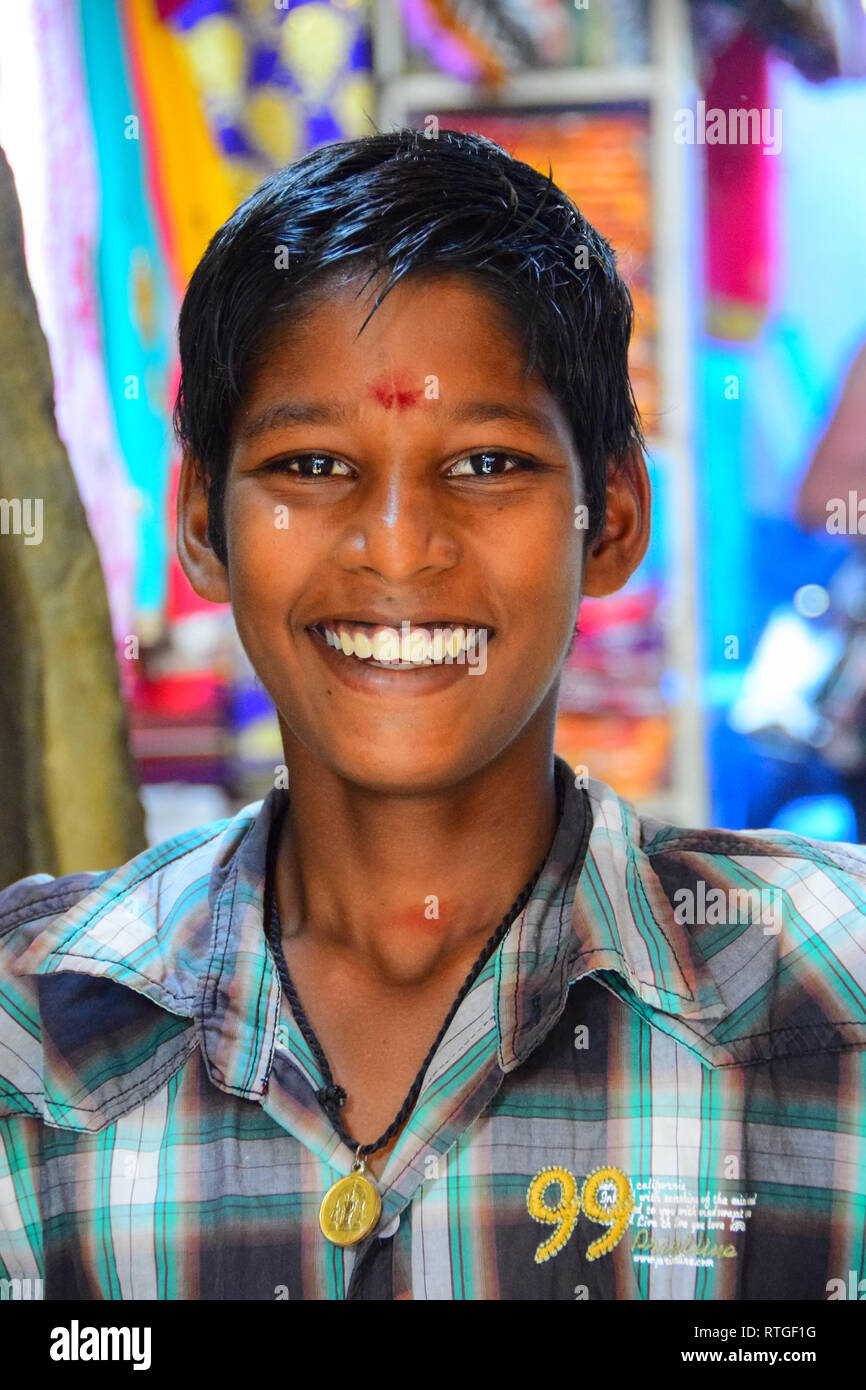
(376, 680)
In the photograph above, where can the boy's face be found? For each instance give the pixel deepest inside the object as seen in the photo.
(401, 522)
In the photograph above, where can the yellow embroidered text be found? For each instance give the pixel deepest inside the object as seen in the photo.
(606, 1197)
(563, 1215)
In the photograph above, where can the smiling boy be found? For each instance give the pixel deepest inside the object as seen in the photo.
(428, 1023)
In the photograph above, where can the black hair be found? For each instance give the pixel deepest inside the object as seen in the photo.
(400, 202)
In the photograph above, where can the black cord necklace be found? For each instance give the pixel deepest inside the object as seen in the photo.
(348, 1213)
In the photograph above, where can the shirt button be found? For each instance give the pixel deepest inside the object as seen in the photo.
(391, 1229)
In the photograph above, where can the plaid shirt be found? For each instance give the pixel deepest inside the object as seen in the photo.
(654, 1089)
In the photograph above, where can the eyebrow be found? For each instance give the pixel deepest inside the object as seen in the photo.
(289, 413)
(308, 413)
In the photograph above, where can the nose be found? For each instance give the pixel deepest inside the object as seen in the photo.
(399, 529)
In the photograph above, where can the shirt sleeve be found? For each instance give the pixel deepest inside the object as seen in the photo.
(21, 1102)
(21, 1253)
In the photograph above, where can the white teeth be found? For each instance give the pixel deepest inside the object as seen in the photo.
(404, 650)
(386, 644)
(415, 646)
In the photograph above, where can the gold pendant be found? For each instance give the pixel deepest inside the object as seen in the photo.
(351, 1208)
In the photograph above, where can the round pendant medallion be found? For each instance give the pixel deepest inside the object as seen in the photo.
(350, 1209)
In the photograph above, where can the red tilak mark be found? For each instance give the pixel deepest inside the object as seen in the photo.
(388, 392)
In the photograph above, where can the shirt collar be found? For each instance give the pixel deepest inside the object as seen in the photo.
(183, 925)
(598, 906)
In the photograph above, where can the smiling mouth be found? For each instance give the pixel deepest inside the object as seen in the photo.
(409, 648)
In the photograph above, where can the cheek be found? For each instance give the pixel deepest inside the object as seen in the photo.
(270, 553)
(539, 565)
(542, 571)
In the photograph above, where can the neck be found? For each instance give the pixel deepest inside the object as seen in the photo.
(405, 887)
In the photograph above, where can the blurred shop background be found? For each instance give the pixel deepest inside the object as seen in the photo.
(726, 685)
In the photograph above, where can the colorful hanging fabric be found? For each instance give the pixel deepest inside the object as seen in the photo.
(137, 296)
(191, 188)
(740, 201)
(277, 79)
(479, 43)
(52, 137)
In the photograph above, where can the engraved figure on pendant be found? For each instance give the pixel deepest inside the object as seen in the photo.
(349, 1209)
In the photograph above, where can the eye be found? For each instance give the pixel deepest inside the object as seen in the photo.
(489, 459)
(311, 466)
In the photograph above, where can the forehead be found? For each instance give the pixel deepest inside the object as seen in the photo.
(432, 322)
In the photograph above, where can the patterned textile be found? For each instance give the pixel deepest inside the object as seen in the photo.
(277, 79)
(654, 1089)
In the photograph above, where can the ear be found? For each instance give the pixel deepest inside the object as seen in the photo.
(616, 554)
(201, 565)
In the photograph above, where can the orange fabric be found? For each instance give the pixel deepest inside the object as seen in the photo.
(192, 189)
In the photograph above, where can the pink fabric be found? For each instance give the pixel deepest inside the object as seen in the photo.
(69, 308)
(740, 187)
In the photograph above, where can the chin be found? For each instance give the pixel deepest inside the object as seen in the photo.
(400, 767)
